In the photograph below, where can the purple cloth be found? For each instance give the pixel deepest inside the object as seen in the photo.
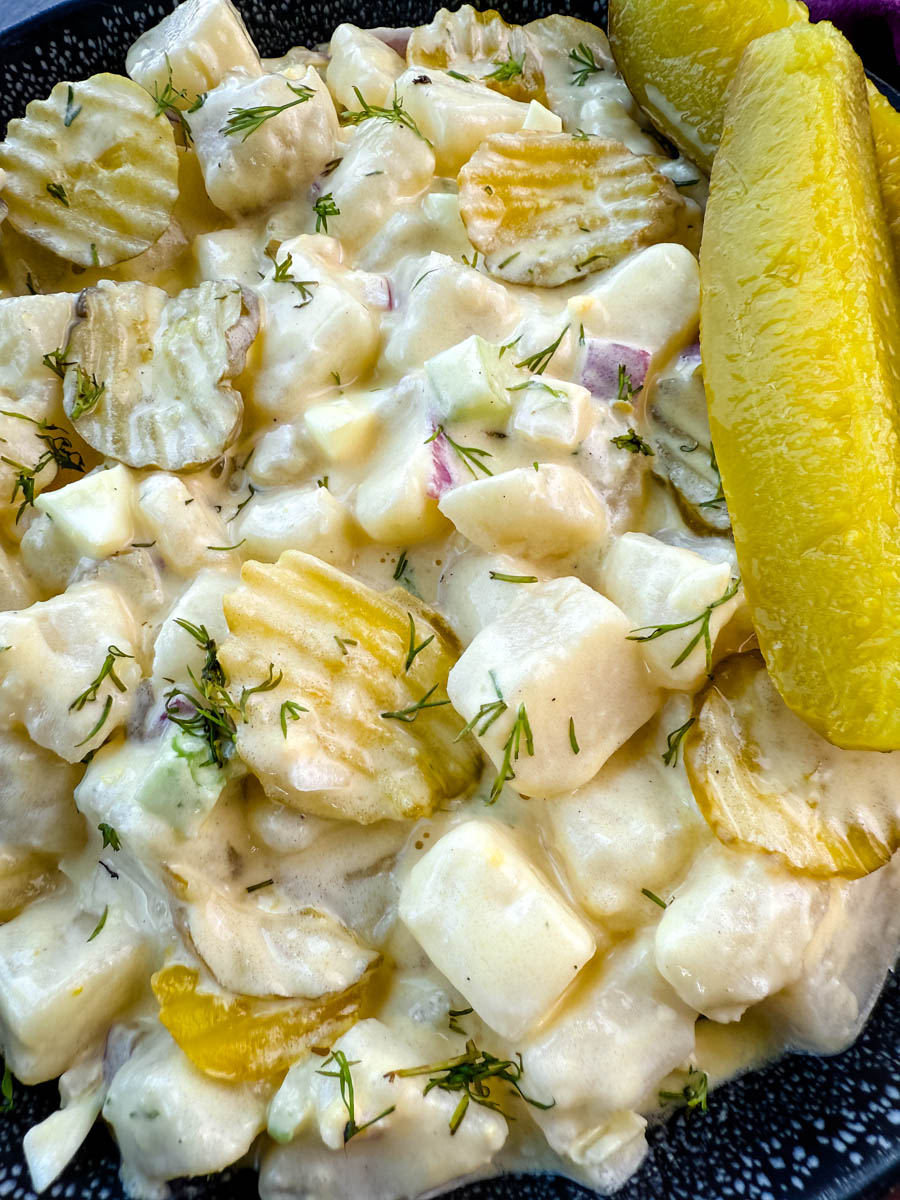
(846, 14)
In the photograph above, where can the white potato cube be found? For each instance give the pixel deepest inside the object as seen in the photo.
(359, 59)
(37, 811)
(30, 327)
(548, 513)
(561, 654)
(409, 1152)
(737, 931)
(307, 518)
(651, 299)
(542, 119)
(172, 1120)
(471, 598)
(227, 254)
(200, 43)
(280, 456)
(844, 966)
(176, 652)
(342, 430)
(279, 159)
(50, 559)
(386, 166)
(137, 577)
(456, 116)
(447, 303)
(182, 524)
(635, 825)
(554, 413)
(95, 512)
(58, 649)
(471, 380)
(605, 1051)
(491, 922)
(655, 584)
(16, 588)
(59, 992)
(21, 447)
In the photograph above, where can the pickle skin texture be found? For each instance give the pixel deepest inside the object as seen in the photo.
(800, 337)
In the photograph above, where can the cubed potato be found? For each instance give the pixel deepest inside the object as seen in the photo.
(227, 254)
(17, 590)
(59, 988)
(471, 598)
(472, 380)
(737, 931)
(359, 59)
(36, 806)
(561, 654)
(176, 652)
(342, 430)
(172, 1120)
(184, 527)
(448, 302)
(280, 456)
(307, 518)
(554, 414)
(21, 447)
(494, 925)
(278, 160)
(655, 584)
(456, 116)
(58, 649)
(30, 327)
(651, 299)
(548, 513)
(50, 558)
(633, 826)
(200, 43)
(94, 512)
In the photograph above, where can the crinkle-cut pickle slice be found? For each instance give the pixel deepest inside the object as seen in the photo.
(92, 171)
(546, 208)
(801, 349)
(765, 781)
(378, 739)
(241, 1038)
(678, 56)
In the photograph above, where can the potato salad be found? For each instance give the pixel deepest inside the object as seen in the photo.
(392, 789)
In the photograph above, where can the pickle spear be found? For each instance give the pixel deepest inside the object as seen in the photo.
(800, 336)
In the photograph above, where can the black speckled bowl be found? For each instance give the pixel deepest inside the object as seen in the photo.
(804, 1128)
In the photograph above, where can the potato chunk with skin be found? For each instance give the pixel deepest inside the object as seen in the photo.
(172, 1120)
(96, 189)
(455, 116)
(547, 208)
(246, 168)
(657, 585)
(736, 931)
(193, 48)
(58, 649)
(548, 513)
(149, 380)
(59, 991)
(560, 654)
(358, 59)
(494, 925)
(355, 753)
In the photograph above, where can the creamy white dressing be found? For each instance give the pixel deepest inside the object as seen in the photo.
(405, 421)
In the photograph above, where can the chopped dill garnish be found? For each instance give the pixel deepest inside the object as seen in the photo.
(396, 113)
(694, 1093)
(573, 740)
(257, 887)
(506, 69)
(59, 450)
(626, 391)
(637, 635)
(471, 456)
(652, 896)
(521, 728)
(110, 837)
(6, 1090)
(513, 578)
(107, 671)
(58, 192)
(633, 443)
(281, 274)
(324, 208)
(100, 923)
(290, 711)
(87, 393)
(409, 714)
(486, 715)
(248, 120)
(674, 740)
(72, 109)
(343, 643)
(584, 64)
(413, 649)
(538, 362)
(345, 1081)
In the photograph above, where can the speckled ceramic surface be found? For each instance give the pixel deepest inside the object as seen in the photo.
(808, 1128)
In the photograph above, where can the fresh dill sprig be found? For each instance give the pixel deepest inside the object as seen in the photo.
(487, 714)
(633, 443)
(653, 898)
(584, 64)
(521, 728)
(538, 362)
(58, 192)
(409, 714)
(167, 103)
(472, 457)
(507, 69)
(413, 649)
(674, 740)
(324, 208)
(55, 361)
(59, 450)
(87, 393)
(271, 682)
(345, 1082)
(72, 109)
(694, 1094)
(107, 671)
(110, 837)
(396, 113)
(290, 711)
(282, 274)
(703, 619)
(248, 120)
(471, 1073)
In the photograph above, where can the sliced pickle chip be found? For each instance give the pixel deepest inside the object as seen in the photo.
(764, 780)
(148, 375)
(679, 434)
(484, 48)
(241, 1038)
(92, 171)
(360, 726)
(546, 208)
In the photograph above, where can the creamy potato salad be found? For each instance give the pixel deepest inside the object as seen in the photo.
(376, 675)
